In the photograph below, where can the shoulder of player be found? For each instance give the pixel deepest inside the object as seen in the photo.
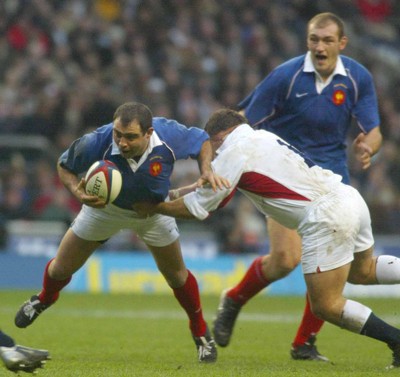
(101, 133)
(98, 137)
(292, 65)
(289, 69)
(168, 129)
(95, 142)
(354, 67)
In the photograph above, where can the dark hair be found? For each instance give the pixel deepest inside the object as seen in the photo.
(222, 120)
(131, 111)
(323, 19)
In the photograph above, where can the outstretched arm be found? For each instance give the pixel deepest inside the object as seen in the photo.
(176, 208)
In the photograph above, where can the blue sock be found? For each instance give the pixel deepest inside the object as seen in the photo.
(5, 340)
(380, 330)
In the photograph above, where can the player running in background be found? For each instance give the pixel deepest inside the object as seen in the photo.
(310, 102)
(331, 217)
(20, 358)
(145, 150)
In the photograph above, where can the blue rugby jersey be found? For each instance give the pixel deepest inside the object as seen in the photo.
(148, 180)
(287, 103)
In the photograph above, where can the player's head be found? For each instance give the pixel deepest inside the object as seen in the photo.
(131, 111)
(132, 128)
(222, 120)
(325, 40)
(221, 123)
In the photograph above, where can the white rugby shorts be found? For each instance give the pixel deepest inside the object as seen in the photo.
(94, 224)
(335, 227)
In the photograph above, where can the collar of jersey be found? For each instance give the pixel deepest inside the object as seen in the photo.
(153, 142)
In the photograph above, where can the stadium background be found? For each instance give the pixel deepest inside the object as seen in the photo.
(66, 65)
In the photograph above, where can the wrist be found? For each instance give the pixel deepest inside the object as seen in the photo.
(174, 194)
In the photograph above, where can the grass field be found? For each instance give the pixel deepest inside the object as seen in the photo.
(131, 335)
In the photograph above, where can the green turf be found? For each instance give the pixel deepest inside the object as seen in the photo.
(131, 335)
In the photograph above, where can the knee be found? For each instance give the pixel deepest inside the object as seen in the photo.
(57, 271)
(283, 262)
(321, 309)
(289, 262)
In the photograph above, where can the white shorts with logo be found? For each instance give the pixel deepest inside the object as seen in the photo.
(94, 224)
(335, 227)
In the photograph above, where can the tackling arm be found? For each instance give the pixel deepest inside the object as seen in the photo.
(207, 175)
(176, 208)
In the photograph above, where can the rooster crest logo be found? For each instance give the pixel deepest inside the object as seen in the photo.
(339, 97)
(155, 169)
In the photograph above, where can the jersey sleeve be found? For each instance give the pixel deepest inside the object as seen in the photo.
(184, 141)
(83, 152)
(230, 165)
(268, 96)
(366, 108)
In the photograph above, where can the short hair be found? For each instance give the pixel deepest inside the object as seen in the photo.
(222, 120)
(323, 19)
(130, 111)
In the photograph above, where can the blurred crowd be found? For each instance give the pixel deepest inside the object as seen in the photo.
(65, 65)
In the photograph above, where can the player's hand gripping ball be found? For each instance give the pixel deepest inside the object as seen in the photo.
(103, 179)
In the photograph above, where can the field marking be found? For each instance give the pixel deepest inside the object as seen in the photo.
(283, 317)
(158, 314)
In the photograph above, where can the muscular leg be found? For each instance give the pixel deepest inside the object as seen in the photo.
(71, 256)
(184, 285)
(367, 269)
(170, 263)
(325, 291)
(285, 251)
(283, 257)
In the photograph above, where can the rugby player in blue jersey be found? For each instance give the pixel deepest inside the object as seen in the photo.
(310, 102)
(145, 150)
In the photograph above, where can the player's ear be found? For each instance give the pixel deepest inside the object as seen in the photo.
(149, 132)
(343, 42)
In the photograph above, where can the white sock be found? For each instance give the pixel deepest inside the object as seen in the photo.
(388, 269)
(354, 316)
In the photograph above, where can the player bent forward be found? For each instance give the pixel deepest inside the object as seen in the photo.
(144, 149)
(332, 219)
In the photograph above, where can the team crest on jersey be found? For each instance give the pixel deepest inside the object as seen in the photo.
(155, 168)
(339, 97)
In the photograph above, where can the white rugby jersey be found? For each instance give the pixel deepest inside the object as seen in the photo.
(281, 181)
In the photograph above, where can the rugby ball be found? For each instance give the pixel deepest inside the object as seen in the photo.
(103, 179)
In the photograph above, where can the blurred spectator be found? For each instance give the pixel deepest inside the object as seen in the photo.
(375, 10)
(65, 65)
(52, 202)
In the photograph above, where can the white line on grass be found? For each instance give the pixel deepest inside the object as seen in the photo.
(283, 317)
